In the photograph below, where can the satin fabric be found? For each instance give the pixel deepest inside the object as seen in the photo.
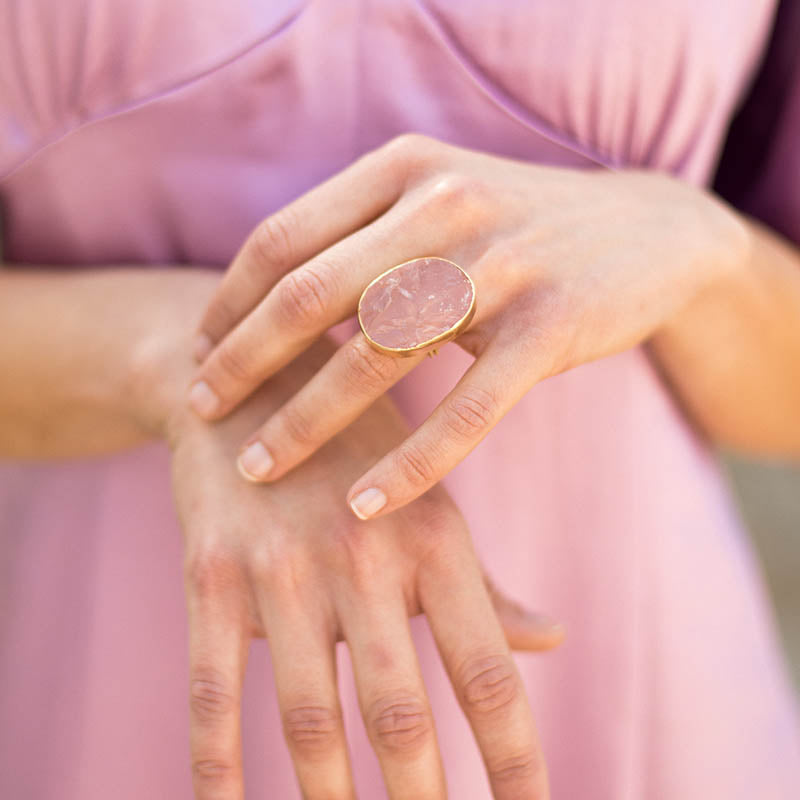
(153, 131)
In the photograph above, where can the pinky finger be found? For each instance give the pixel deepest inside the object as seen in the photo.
(524, 630)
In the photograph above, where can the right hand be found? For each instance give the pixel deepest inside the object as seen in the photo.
(289, 562)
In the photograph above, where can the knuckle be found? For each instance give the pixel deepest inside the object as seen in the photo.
(210, 697)
(474, 341)
(297, 426)
(234, 363)
(214, 771)
(414, 465)
(212, 571)
(262, 566)
(400, 722)
(509, 260)
(489, 685)
(452, 196)
(442, 557)
(278, 566)
(355, 557)
(284, 572)
(408, 146)
(521, 769)
(470, 413)
(312, 730)
(367, 369)
(438, 527)
(222, 314)
(272, 240)
(303, 296)
(411, 156)
(438, 516)
(455, 187)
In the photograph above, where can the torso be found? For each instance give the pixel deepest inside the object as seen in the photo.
(153, 131)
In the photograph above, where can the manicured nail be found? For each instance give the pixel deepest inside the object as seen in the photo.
(255, 462)
(202, 347)
(367, 503)
(202, 399)
(540, 620)
(554, 628)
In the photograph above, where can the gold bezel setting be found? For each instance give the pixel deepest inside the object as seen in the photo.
(430, 344)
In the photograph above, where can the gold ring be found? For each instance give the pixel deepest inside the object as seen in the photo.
(416, 306)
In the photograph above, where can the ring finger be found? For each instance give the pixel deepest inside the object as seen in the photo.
(349, 382)
(304, 668)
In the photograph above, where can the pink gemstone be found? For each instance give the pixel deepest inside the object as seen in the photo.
(415, 302)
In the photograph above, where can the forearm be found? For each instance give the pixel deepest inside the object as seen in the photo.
(76, 350)
(733, 356)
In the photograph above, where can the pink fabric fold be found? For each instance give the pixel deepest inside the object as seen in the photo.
(151, 132)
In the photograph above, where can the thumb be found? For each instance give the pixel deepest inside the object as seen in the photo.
(524, 630)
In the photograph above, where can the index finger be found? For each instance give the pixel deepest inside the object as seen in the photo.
(485, 678)
(300, 230)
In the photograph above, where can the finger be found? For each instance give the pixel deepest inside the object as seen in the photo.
(292, 235)
(485, 678)
(486, 391)
(304, 667)
(349, 383)
(218, 655)
(307, 302)
(392, 698)
(524, 629)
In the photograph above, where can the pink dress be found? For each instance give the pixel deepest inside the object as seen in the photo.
(152, 131)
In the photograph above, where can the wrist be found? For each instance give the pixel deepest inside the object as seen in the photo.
(721, 260)
(160, 363)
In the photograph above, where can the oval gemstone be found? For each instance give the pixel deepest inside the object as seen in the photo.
(414, 303)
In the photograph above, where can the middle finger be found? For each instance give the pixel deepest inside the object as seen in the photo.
(304, 668)
(308, 301)
(343, 389)
(392, 697)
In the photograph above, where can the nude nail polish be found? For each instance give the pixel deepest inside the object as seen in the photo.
(203, 399)
(368, 503)
(255, 462)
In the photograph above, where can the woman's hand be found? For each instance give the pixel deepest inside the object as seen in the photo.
(569, 266)
(289, 562)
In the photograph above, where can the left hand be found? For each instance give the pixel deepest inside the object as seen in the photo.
(289, 563)
(569, 266)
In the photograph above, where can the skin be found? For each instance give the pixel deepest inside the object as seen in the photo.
(264, 561)
(569, 266)
(321, 575)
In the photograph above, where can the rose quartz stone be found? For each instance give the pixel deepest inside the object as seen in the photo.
(415, 303)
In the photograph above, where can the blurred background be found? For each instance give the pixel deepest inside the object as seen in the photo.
(768, 493)
(769, 499)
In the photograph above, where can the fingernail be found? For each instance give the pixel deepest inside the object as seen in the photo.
(202, 399)
(555, 628)
(202, 347)
(543, 620)
(367, 503)
(255, 462)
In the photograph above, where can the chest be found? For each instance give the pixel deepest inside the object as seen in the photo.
(197, 118)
